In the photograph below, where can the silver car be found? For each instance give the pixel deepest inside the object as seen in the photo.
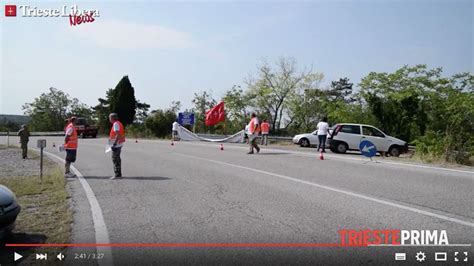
(9, 210)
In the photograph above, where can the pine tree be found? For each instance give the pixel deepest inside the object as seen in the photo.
(123, 101)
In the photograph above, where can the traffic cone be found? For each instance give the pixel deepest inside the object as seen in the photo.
(321, 156)
(222, 147)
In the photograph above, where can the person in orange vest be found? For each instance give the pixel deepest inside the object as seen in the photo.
(265, 130)
(253, 130)
(70, 145)
(116, 140)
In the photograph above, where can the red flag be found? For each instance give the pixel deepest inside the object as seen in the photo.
(215, 115)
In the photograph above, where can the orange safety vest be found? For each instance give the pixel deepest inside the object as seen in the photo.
(252, 126)
(265, 128)
(121, 133)
(72, 142)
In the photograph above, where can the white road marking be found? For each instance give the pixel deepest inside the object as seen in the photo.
(394, 163)
(334, 156)
(349, 193)
(328, 155)
(101, 233)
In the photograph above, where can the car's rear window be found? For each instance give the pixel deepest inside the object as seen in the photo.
(351, 129)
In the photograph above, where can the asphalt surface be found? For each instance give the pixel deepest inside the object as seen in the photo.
(196, 193)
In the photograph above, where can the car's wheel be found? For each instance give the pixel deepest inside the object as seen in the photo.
(304, 142)
(394, 151)
(94, 136)
(341, 147)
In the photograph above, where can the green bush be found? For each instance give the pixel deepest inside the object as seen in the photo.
(159, 123)
(439, 147)
(430, 147)
(138, 131)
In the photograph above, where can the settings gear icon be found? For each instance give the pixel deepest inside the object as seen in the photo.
(420, 256)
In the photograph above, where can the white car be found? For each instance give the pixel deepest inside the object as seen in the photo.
(307, 139)
(346, 137)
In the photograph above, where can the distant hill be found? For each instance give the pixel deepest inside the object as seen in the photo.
(16, 119)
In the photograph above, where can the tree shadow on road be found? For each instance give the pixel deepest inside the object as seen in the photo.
(153, 178)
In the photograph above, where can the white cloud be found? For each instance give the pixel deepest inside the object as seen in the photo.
(127, 35)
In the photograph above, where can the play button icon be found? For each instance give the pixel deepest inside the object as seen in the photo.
(17, 256)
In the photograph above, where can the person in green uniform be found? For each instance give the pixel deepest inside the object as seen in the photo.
(24, 134)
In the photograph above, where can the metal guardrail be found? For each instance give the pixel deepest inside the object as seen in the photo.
(411, 148)
(280, 138)
(211, 136)
(52, 134)
(216, 136)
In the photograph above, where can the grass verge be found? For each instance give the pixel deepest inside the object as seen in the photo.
(45, 207)
(45, 216)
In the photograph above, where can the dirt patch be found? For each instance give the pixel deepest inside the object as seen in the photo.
(11, 163)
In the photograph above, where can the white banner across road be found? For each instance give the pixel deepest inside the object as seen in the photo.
(185, 134)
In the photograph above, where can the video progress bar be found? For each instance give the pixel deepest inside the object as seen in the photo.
(187, 245)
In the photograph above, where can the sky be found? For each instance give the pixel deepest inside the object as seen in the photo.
(172, 49)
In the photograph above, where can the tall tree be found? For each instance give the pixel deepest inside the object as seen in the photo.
(202, 101)
(305, 109)
(450, 120)
(237, 108)
(141, 112)
(398, 100)
(49, 111)
(159, 122)
(102, 111)
(417, 104)
(124, 102)
(271, 90)
(175, 106)
(343, 105)
(341, 90)
(121, 100)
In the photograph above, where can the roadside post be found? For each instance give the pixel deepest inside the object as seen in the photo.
(41, 144)
(8, 139)
(368, 149)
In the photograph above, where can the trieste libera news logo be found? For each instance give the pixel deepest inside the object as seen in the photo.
(10, 10)
(75, 14)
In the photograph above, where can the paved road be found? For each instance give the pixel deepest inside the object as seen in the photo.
(196, 193)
